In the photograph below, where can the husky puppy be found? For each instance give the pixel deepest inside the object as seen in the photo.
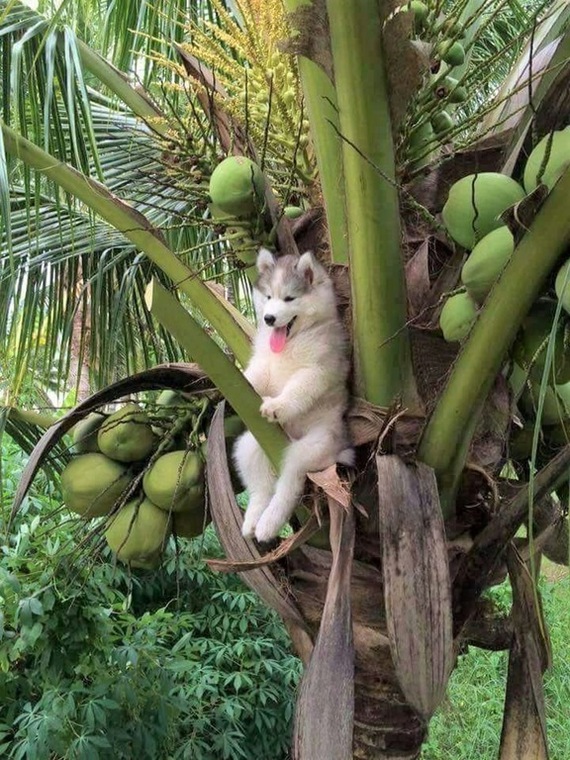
(299, 367)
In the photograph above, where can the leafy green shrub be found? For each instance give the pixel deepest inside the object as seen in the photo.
(94, 663)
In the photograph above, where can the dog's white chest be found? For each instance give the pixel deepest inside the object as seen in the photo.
(280, 368)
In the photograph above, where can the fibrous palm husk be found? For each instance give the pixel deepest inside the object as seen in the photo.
(550, 515)
(227, 517)
(481, 561)
(417, 585)
(524, 723)
(324, 726)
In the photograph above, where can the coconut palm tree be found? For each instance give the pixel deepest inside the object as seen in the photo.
(363, 117)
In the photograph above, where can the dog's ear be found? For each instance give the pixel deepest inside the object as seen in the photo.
(310, 269)
(265, 261)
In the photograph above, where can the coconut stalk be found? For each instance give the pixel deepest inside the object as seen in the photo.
(381, 347)
(40, 419)
(448, 432)
(136, 228)
(321, 103)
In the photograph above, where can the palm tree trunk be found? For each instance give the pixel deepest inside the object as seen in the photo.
(385, 726)
(79, 351)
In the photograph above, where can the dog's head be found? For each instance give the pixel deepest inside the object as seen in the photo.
(292, 292)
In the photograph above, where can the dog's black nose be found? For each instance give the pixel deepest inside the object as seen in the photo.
(269, 319)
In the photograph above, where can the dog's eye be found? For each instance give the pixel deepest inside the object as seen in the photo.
(268, 297)
(289, 298)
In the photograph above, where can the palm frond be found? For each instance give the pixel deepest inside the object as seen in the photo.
(68, 266)
(61, 271)
(42, 72)
(26, 432)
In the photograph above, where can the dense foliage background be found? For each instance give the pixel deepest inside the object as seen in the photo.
(175, 663)
(186, 663)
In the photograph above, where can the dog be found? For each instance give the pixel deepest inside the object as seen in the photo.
(299, 367)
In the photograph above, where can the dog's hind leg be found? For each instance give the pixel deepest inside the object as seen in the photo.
(257, 476)
(313, 452)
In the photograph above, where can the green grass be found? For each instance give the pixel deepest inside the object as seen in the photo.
(468, 724)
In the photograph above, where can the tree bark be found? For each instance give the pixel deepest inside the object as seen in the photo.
(78, 375)
(385, 726)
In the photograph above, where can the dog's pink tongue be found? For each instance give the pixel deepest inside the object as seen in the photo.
(278, 339)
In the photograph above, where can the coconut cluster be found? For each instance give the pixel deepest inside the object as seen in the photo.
(141, 471)
(444, 35)
(472, 216)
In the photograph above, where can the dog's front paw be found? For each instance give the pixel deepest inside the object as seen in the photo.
(253, 512)
(272, 409)
(268, 526)
(248, 527)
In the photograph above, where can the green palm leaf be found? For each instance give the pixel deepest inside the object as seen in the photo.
(58, 264)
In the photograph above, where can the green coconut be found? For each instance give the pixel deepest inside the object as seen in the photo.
(531, 345)
(92, 483)
(293, 212)
(233, 426)
(563, 393)
(420, 11)
(562, 285)
(237, 186)
(486, 262)
(452, 52)
(222, 217)
(558, 160)
(176, 481)
(169, 398)
(422, 145)
(85, 433)
(520, 442)
(453, 27)
(441, 122)
(517, 378)
(149, 563)
(138, 531)
(449, 87)
(127, 435)
(557, 435)
(553, 409)
(190, 524)
(421, 136)
(320, 539)
(170, 405)
(475, 204)
(458, 314)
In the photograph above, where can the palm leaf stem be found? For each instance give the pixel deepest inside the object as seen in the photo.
(139, 103)
(381, 345)
(321, 103)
